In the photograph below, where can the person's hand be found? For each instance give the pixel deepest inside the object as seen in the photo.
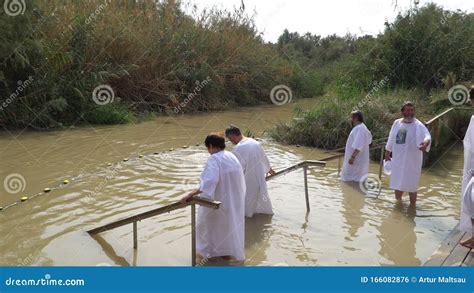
(187, 197)
(387, 156)
(351, 161)
(424, 146)
(271, 172)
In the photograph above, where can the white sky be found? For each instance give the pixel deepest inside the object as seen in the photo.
(325, 17)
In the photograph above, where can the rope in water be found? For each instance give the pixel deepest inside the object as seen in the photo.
(67, 181)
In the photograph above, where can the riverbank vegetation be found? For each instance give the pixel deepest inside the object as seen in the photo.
(149, 56)
(419, 57)
(107, 62)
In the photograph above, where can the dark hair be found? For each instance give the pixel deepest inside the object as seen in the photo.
(216, 140)
(359, 115)
(232, 130)
(407, 104)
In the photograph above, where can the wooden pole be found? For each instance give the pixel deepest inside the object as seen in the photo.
(305, 171)
(135, 235)
(193, 234)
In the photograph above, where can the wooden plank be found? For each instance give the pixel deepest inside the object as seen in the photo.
(469, 261)
(457, 256)
(446, 247)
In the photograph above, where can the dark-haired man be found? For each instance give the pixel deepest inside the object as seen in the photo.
(408, 140)
(220, 233)
(255, 164)
(356, 156)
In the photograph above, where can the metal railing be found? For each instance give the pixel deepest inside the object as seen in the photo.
(197, 201)
(166, 209)
(305, 165)
(380, 146)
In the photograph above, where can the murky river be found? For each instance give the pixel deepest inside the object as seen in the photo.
(344, 227)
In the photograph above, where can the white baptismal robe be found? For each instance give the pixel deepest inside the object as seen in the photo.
(467, 201)
(359, 139)
(407, 160)
(255, 164)
(221, 232)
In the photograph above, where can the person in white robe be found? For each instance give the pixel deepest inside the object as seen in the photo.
(408, 140)
(356, 156)
(220, 233)
(256, 166)
(467, 192)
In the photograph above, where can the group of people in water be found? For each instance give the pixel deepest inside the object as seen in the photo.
(238, 179)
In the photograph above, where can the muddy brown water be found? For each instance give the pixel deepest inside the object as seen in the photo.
(344, 227)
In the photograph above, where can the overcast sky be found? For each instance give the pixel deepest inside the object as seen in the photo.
(325, 17)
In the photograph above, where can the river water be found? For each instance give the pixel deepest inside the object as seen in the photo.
(344, 227)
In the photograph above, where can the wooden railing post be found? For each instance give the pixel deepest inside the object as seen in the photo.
(135, 235)
(305, 171)
(193, 234)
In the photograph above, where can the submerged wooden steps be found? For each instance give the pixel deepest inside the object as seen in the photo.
(451, 253)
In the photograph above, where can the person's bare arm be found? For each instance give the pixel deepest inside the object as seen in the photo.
(353, 156)
(190, 195)
(388, 155)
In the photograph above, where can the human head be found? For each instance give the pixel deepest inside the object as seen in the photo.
(356, 116)
(233, 134)
(214, 143)
(408, 110)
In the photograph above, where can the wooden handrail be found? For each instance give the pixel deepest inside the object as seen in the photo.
(155, 212)
(438, 116)
(296, 167)
(375, 147)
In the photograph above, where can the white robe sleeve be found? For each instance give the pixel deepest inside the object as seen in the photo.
(392, 136)
(264, 158)
(209, 178)
(359, 139)
(423, 134)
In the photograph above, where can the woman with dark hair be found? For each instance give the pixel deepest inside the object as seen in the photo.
(220, 233)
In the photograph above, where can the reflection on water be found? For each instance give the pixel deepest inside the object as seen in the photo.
(344, 227)
(397, 236)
